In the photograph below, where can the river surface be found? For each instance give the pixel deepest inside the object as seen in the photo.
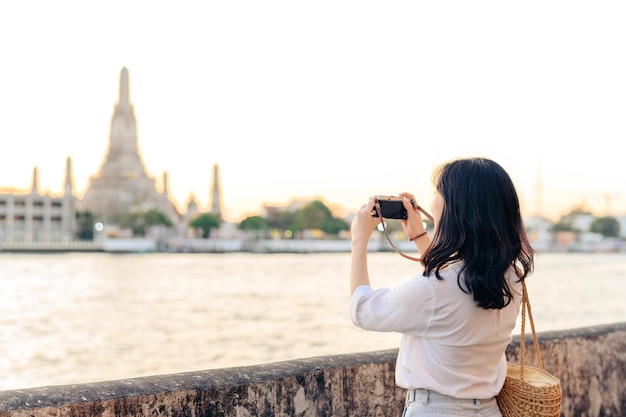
(86, 317)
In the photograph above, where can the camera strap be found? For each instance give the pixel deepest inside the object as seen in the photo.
(382, 222)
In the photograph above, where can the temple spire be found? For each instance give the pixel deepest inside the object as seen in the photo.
(34, 188)
(124, 99)
(216, 204)
(69, 181)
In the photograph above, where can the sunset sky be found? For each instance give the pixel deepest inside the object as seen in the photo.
(336, 99)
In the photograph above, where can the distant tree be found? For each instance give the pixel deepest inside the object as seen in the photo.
(562, 226)
(566, 222)
(140, 222)
(135, 222)
(312, 216)
(256, 224)
(206, 222)
(84, 225)
(283, 220)
(317, 216)
(156, 218)
(334, 225)
(606, 226)
(253, 223)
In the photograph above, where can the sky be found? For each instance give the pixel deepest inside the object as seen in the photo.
(333, 99)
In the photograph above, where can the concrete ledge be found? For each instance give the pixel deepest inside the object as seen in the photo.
(591, 363)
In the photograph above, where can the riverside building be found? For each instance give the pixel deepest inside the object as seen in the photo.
(121, 185)
(33, 216)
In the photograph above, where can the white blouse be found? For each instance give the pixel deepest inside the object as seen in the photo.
(449, 344)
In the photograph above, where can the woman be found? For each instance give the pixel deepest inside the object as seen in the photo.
(457, 317)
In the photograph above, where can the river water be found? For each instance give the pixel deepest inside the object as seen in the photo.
(85, 317)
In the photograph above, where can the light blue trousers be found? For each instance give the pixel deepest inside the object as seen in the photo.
(423, 402)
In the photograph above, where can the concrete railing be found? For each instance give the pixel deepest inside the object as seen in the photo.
(591, 363)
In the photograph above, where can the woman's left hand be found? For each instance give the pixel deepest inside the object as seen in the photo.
(413, 225)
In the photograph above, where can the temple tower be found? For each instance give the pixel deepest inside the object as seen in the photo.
(69, 178)
(122, 183)
(216, 192)
(69, 202)
(34, 187)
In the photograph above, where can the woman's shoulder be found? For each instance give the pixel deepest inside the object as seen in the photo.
(451, 269)
(447, 278)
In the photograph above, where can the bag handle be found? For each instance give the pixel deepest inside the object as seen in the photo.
(526, 309)
(382, 221)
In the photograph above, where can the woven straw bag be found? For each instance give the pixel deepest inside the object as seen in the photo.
(529, 391)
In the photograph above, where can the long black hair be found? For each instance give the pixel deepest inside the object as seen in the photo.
(481, 225)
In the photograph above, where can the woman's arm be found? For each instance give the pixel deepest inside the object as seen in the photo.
(362, 227)
(414, 225)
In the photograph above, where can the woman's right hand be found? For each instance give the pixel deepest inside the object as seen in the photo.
(363, 223)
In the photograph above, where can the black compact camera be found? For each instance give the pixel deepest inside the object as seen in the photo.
(391, 207)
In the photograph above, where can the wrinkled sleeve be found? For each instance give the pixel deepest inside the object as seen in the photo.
(407, 308)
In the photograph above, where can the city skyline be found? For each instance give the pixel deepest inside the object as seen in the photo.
(290, 199)
(340, 101)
